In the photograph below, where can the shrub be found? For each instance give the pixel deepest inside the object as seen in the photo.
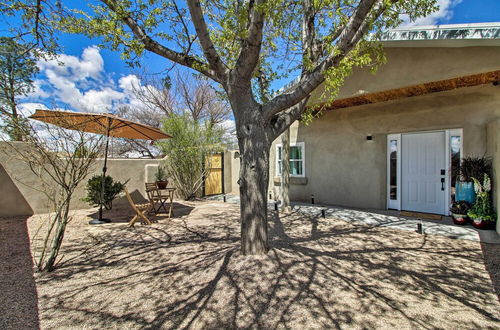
(474, 167)
(188, 152)
(111, 190)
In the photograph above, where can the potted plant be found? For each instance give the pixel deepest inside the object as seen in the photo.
(161, 178)
(459, 212)
(481, 213)
(471, 167)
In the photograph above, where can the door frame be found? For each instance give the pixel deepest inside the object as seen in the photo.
(396, 204)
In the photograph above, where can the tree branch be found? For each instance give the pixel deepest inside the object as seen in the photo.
(351, 34)
(286, 118)
(250, 50)
(157, 48)
(208, 47)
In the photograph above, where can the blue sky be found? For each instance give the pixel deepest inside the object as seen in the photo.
(97, 80)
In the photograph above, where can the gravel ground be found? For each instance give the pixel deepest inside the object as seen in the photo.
(18, 297)
(320, 273)
(491, 254)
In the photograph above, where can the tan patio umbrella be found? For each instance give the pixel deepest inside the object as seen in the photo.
(100, 123)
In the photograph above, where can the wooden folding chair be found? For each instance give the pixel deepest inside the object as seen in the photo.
(156, 198)
(139, 209)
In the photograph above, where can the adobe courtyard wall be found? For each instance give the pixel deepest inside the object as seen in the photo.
(22, 193)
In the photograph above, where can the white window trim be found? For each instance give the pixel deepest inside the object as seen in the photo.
(303, 151)
(449, 134)
(396, 204)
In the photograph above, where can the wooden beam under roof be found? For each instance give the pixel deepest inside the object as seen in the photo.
(415, 90)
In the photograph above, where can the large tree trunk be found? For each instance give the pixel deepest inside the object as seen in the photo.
(254, 148)
(254, 180)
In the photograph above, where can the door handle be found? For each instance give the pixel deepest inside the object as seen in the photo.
(442, 184)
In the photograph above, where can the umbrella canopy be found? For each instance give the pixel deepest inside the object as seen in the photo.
(100, 123)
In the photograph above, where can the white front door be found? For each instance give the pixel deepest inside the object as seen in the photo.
(423, 172)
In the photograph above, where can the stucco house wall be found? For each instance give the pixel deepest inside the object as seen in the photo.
(343, 168)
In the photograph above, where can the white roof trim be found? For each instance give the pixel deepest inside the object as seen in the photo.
(476, 31)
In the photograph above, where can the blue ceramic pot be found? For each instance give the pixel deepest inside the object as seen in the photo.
(465, 192)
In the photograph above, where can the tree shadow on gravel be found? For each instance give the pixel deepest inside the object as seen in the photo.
(491, 254)
(319, 273)
(18, 295)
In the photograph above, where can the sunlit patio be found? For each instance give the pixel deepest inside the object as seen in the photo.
(188, 273)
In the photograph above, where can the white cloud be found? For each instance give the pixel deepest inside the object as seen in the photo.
(90, 65)
(38, 91)
(99, 100)
(444, 13)
(27, 109)
(229, 137)
(129, 83)
(79, 82)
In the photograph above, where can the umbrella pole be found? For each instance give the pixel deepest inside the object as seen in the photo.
(104, 169)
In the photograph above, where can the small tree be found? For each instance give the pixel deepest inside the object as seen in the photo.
(111, 190)
(188, 153)
(53, 155)
(17, 69)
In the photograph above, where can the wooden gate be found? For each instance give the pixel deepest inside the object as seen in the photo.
(214, 181)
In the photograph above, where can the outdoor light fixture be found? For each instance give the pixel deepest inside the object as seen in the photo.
(312, 198)
(419, 228)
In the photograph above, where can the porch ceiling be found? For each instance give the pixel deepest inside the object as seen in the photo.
(415, 90)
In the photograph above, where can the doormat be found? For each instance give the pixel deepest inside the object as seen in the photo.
(428, 216)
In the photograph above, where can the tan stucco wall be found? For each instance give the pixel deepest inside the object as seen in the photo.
(413, 66)
(20, 188)
(493, 133)
(343, 168)
(233, 166)
(228, 173)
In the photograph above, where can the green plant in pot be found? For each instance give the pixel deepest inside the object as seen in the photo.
(459, 212)
(481, 213)
(111, 190)
(161, 178)
(471, 167)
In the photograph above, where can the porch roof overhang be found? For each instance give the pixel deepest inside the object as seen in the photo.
(414, 90)
(422, 60)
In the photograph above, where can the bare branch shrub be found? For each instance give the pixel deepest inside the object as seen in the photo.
(54, 155)
(156, 101)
